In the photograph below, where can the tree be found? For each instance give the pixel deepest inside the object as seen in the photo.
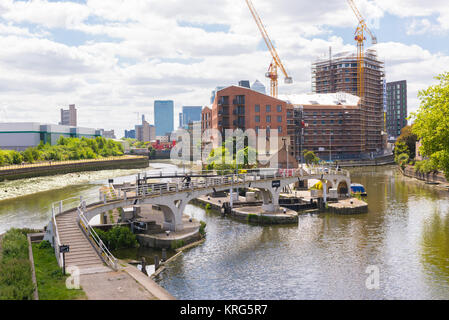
(310, 157)
(408, 138)
(431, 123)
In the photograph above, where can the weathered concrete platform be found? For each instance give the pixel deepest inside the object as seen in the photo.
(252, 214)
(172, 240)
(348, 206)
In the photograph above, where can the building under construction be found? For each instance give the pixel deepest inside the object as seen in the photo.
(338, 73)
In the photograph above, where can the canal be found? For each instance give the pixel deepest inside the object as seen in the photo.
(405, 235)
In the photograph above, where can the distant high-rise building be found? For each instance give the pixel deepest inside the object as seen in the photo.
(180, 120)
(244, 83)
(214, 92)
(396, 107)
(68, 117)
(131, 134)
(145, 132)
(163, 117)
(190, 114)
(259, 87)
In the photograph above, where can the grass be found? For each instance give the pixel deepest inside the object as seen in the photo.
(15, 268)
(51, 283)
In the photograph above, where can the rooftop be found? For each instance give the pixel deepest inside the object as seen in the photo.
(328, 99)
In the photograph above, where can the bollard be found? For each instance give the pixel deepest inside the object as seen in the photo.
(156, 263)
(164, 255)
(144, 266)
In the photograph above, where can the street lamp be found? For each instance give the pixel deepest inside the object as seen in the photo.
(286, 149)
(330, 146)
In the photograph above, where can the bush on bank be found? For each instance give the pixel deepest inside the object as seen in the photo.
(15, 269)
(118, 238)
(65, 149)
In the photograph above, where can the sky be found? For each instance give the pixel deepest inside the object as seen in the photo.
(113, 58)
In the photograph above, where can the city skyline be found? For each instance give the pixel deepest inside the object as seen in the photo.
(83, 52)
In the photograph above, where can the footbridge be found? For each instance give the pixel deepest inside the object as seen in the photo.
(72, 215)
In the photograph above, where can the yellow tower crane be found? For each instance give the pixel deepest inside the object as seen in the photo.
(272, 73)
(360, 38)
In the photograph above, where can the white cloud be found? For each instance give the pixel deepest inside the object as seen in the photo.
(152, 57)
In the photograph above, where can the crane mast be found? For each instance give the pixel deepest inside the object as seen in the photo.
(360, 38)
(272, 73)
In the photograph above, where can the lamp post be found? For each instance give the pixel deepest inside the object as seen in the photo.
(286, 149)
(330, 146)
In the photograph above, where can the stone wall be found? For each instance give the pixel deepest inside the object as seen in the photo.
(436, 177)
(57, 168)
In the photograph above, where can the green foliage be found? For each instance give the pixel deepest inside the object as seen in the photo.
(426, 166)
(310, 157)
(118, 238)
(408, 138)
(202, 229)
(65, 149)
(226, 158)
(208, 206)
(403, 159)
(15, 269)
(175, 244)
(431, 123)
(51, 283)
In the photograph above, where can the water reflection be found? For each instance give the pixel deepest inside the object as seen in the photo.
(405, 234)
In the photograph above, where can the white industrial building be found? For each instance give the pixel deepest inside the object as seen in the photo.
(22, 135)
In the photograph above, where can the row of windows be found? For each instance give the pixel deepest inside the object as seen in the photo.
(268, 119)
(267, 108)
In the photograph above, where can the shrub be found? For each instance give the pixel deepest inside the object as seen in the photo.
(15, 269)
(118, 238)
(202, 229)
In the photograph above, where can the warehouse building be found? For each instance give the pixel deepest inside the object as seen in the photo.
(22, 135)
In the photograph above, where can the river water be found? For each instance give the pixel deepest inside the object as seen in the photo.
(405, 236)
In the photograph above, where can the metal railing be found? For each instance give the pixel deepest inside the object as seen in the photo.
(108, 257)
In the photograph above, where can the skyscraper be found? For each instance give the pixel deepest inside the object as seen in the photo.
(190, 114)
(68, 117)
(163, 116)
(396, 107)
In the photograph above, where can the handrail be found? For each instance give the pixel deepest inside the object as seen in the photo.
(104, 251)
(58, 240)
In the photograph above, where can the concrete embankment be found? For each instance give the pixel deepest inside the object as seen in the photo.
(62, 167)
(383, 161)
(433, 177)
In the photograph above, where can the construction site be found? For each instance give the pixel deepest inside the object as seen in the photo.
(343, 118)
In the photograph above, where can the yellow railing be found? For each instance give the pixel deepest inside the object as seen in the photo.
(61, 163)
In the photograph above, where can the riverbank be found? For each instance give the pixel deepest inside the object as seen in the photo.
(62, 167)
(435, 178)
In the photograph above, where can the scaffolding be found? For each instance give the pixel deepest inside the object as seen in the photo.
(338, 73)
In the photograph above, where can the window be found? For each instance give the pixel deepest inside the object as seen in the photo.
(279, 108)
(268, 119)
(257, 118)
(268, 108)
(257, 108)
(279, 118)
(280, 129)
(257, 129)
(323, 122)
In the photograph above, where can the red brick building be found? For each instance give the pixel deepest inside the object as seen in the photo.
(206, 119)
(239, 107)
